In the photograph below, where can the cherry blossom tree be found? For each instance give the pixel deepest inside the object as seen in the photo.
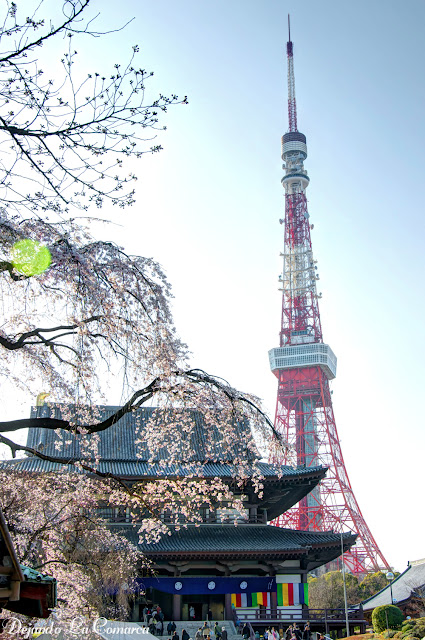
(94, 311)
(55, 528)
(79, 314)
(57, 523)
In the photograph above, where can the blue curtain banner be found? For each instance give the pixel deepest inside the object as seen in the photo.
(192, 586)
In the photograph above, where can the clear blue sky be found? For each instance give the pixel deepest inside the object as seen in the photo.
(208, 209)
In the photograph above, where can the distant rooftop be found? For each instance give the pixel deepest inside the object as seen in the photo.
(411, 579)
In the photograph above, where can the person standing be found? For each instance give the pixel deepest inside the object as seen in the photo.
(206, 629)
(171, 627)
(185, 635)
(223, 633)
(307, 632)
(297, 632)
(152, 625)
(191, 612)
(198, 634)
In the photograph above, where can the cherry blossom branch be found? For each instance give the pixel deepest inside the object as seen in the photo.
(51, 34)
(61, 129)
(135, 402)
(22, 341)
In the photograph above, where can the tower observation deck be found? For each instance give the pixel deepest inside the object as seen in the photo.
(304, 365)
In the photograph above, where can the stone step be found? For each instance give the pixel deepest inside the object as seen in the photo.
(193, 626)
(192, 635)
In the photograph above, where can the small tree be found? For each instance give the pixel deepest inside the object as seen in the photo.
(371, 584)
(386, 616)
(327, 591)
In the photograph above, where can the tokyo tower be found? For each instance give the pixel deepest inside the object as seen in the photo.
(304, 365)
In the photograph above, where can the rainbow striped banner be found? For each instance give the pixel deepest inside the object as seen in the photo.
(239, 599)
(260, 598)
(290, 594)
(251, 599)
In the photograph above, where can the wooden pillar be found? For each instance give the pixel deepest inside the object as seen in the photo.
(304, 607)
(273, 604)
(177, 606)
(136, 612)
(228, 614)
(253, 514)
(273, 595)
(228, 606)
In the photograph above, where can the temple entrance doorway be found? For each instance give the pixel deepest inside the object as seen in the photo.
(195, 611)
(202, 604)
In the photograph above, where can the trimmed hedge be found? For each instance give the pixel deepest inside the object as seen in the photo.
(387, 617)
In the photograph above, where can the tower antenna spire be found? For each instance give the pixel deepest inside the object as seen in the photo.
(292, 105)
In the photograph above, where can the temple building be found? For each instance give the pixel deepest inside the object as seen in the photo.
(406, 591)
(22, 589)
(231, 564)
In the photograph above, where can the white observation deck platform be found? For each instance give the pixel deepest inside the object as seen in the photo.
(314, 354)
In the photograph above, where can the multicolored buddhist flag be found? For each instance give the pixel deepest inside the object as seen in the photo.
(262, 597)
(240, 599)
(290, 594)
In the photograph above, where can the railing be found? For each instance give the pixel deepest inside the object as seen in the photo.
(335, 614)
(212, 519)
(287, 614)
(251, 631)
(115, 515)
(238, 626)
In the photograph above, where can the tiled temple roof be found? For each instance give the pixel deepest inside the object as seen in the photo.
(123, 452)
(259, 541)
(141, 468)
(125, 440)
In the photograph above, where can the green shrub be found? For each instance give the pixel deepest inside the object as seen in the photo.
(389, 633)
(414, 628)
(387, 613)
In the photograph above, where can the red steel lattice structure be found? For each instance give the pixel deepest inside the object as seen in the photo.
(304, 365)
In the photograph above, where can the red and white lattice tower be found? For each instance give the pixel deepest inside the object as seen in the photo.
(304, 365)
